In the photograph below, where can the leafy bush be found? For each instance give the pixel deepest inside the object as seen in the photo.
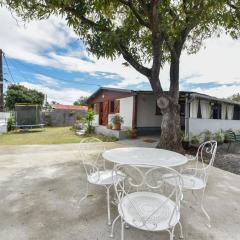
(219, 137)
(11, 121)
(117, 119)
(89, 118)
(194, 140)
(207, 135)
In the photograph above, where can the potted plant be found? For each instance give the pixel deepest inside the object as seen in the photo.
(117, 120)
(131, 133)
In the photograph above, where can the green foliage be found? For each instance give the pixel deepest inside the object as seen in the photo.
(82, 101)
(89, 118)
(207, 135)
(236, 97)
(219, 137)
(194, 140)
(131, 133)
(78, 118)
(11, 121)
(117, 119)
(20, 94)
(107, 25)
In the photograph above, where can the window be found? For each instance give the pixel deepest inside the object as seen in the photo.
(112, 106)
(236, 113)
(216, 111)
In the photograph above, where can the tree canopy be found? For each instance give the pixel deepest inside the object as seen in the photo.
(236, 97)
(82, 101)
(20, 94)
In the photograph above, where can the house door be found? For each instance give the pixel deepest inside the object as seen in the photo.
(103, 113)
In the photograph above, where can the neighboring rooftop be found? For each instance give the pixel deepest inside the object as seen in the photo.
(69, 107)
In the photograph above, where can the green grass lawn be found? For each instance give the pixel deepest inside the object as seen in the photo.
(49, 135)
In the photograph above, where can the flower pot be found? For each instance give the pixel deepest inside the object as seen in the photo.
(133, 135)
(116, 126)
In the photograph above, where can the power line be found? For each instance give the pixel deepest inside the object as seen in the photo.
(4, 57)
(21, 73)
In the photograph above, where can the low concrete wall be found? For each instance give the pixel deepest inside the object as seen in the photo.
(59, 117)
(111, 133)
(197, 126)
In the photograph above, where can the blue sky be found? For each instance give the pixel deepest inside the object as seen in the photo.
(46, 55)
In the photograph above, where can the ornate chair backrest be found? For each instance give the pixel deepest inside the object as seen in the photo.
(205, 158)
(91, 155)
(142, 178)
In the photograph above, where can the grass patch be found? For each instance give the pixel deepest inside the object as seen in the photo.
(49, 135)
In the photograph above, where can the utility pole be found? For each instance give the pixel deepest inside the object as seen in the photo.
(1, 80)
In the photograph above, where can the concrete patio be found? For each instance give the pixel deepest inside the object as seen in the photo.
(40, 186)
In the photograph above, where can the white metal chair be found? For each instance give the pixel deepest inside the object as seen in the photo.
(95, 168)
(196, 178)
(143, 204)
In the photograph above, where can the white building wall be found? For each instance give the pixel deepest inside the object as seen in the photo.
(95, 120)
(3, 121)
(146, 111)
(126, 111)
(197, 126)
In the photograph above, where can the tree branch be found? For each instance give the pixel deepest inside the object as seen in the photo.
(87, 21)
(138, 16)
(232, 5)
(129, 58)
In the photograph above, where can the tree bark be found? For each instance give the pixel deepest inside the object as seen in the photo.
(170, 138)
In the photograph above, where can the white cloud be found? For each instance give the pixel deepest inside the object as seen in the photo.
(221, 91)
(61, 95)
(47, 81)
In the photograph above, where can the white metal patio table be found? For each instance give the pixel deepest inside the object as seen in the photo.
(145, 156)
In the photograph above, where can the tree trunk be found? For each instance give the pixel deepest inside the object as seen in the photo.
(170, 138)
(168, 103)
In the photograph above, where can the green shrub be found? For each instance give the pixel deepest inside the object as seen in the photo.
(207, 135)
(89, 118)
(194, 140)
(219, 137)
(11, 121)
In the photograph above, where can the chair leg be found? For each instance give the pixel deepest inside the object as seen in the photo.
(85, 195)
(171, 234)
(113, 224)
(181, 230)
(204, 210)
(122, 229)
(108, 206)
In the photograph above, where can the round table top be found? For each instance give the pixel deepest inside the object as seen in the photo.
(145, 156)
